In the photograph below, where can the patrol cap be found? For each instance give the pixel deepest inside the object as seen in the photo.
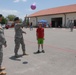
(16, 18)
(0, 15)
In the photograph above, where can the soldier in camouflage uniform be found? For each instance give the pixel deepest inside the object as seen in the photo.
(2, 42)
(19, 37)
(71, 25)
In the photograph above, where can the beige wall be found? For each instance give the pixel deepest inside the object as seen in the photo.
(48, 18)
(70, 16)
(33, 20)
(45, 18)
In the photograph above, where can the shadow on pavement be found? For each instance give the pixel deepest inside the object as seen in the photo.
(16, 58)
(25, 62)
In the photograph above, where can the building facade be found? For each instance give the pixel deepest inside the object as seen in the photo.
(56, 19)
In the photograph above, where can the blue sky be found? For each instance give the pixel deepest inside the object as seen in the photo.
(22, 7)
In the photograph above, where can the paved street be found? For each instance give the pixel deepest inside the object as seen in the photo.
(59, 57)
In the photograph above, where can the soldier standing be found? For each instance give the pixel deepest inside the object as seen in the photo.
(2, 42)
(19, 37)
(71, 25)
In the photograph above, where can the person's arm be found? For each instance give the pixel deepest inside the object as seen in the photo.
(24, 23)
(43, 34)
(37, 34)
(20, 25)
(23, 32)
(3, 40)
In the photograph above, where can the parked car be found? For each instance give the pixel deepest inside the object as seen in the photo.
(12, 25)
(3, 26)
(9, 26)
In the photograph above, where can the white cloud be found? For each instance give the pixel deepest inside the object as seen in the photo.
(10, 11)
(16, 1)
(7, 12)
(24, 0)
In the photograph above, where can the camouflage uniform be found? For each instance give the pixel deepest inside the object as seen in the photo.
(2, 42)
(71, 25)
(19, 38)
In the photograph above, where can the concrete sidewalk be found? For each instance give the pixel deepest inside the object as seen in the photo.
(59, 59)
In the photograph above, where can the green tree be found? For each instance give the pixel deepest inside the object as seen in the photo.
(20, 20)
(4, 20)
(27, 22)
(10, 17)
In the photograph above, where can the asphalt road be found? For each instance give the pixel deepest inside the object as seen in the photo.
(59, 57)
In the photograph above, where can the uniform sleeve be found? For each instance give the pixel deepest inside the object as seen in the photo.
(23, 31)
(24, 24)
(20, 25)
(2, 39)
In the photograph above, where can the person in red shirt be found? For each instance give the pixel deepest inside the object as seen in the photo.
(40, 37)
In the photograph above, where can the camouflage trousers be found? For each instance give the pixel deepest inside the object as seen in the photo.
(19, 41)
(1, 55)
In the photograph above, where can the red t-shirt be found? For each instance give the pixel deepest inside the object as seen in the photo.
(40, 32)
